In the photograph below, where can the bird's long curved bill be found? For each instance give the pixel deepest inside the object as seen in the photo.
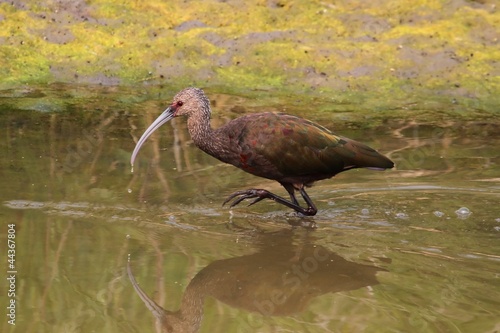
(162, 119)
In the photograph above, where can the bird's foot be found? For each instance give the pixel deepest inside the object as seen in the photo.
(258, 194)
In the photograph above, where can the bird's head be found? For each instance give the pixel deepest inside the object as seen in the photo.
(187, 102)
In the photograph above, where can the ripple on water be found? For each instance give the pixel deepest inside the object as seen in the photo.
(402, 216)
(23, 204)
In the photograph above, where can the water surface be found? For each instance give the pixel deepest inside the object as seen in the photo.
(414, 249)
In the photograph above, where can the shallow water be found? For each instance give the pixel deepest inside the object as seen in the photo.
(414, 249)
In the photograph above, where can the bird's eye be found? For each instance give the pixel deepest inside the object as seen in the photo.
(180, 103)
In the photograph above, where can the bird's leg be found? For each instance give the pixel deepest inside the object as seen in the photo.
(311, 208)
(260, 194)
(291, 191)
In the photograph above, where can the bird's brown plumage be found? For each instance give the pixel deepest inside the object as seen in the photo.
(289, 149)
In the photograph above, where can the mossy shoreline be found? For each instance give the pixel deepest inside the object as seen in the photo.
(387, 49)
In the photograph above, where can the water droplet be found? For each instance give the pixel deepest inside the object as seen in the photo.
(463, 212)
(129, 190)
(438, 213)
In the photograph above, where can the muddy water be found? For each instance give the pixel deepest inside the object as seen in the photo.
(415, 249)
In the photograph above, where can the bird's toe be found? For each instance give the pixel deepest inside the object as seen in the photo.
(232, 196)
(256, 200)
(240, 199)
(258, 194)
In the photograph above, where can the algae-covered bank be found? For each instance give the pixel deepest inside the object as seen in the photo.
(394, 48)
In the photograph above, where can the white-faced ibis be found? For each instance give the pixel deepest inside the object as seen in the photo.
(291, 150)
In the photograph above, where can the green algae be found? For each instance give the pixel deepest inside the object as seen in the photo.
(398, 49)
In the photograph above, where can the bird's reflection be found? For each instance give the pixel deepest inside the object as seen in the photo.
(279, 280)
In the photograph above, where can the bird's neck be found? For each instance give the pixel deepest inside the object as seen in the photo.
(213, 142)
(200, 130)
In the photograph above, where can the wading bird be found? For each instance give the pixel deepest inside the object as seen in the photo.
(291, 150)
